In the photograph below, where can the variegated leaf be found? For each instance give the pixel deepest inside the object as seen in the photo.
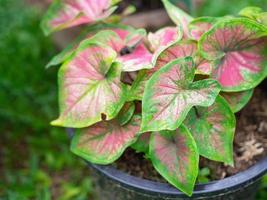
(180, 50)
(213, 129)
(91, 32)
(238, 48)
(237, 100)
(68, 13)
(170, 93)
(200, 25)
(178, 16)
(104, 142)
(89, 86)
(175, 156)
(129, 46)
(164, 37)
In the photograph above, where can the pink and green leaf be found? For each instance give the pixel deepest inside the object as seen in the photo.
(238, 48)
(104, 142)
(129, 46)
(163, 38)
(136, 37)
(213, 129)
(237, 100)
(142, 143)
(180, 50)
(200, 25)
(175, 156)
(66, 13)
(131, 51)
(178, 16)
(139, 58)
(90, 32)
(90, 87)
(170, 94)
(126, 113)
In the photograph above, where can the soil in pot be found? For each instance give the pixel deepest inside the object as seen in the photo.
(250, 146)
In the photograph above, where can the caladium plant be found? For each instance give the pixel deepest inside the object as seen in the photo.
(171, 94)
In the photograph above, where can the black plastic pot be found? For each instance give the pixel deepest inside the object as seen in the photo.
(112, 184)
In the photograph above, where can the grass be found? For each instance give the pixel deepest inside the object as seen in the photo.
(35, 161)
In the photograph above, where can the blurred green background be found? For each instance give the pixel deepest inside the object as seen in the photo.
(35, 161)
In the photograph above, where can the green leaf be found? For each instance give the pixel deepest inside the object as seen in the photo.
(142, 143)
(237, 100)
(178, 16)
(104, 142)
(126, 113)
(255, 13)
(213, 129)
(137, 88)
(251, 12)
(175, 156)
(170, 94)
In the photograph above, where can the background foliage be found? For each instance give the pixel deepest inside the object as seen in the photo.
(35, 161)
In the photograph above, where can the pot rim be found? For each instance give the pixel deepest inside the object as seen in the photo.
(232, 183)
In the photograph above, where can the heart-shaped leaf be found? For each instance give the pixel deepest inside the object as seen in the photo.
(104, 142)
(170, 93)
(213, 129)
(142, 143)
(239, 49)
(175, 156)
(200, 25)
(178, 16)
(89, 86)
(237, 100)
(68, 13)
(180, 49)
